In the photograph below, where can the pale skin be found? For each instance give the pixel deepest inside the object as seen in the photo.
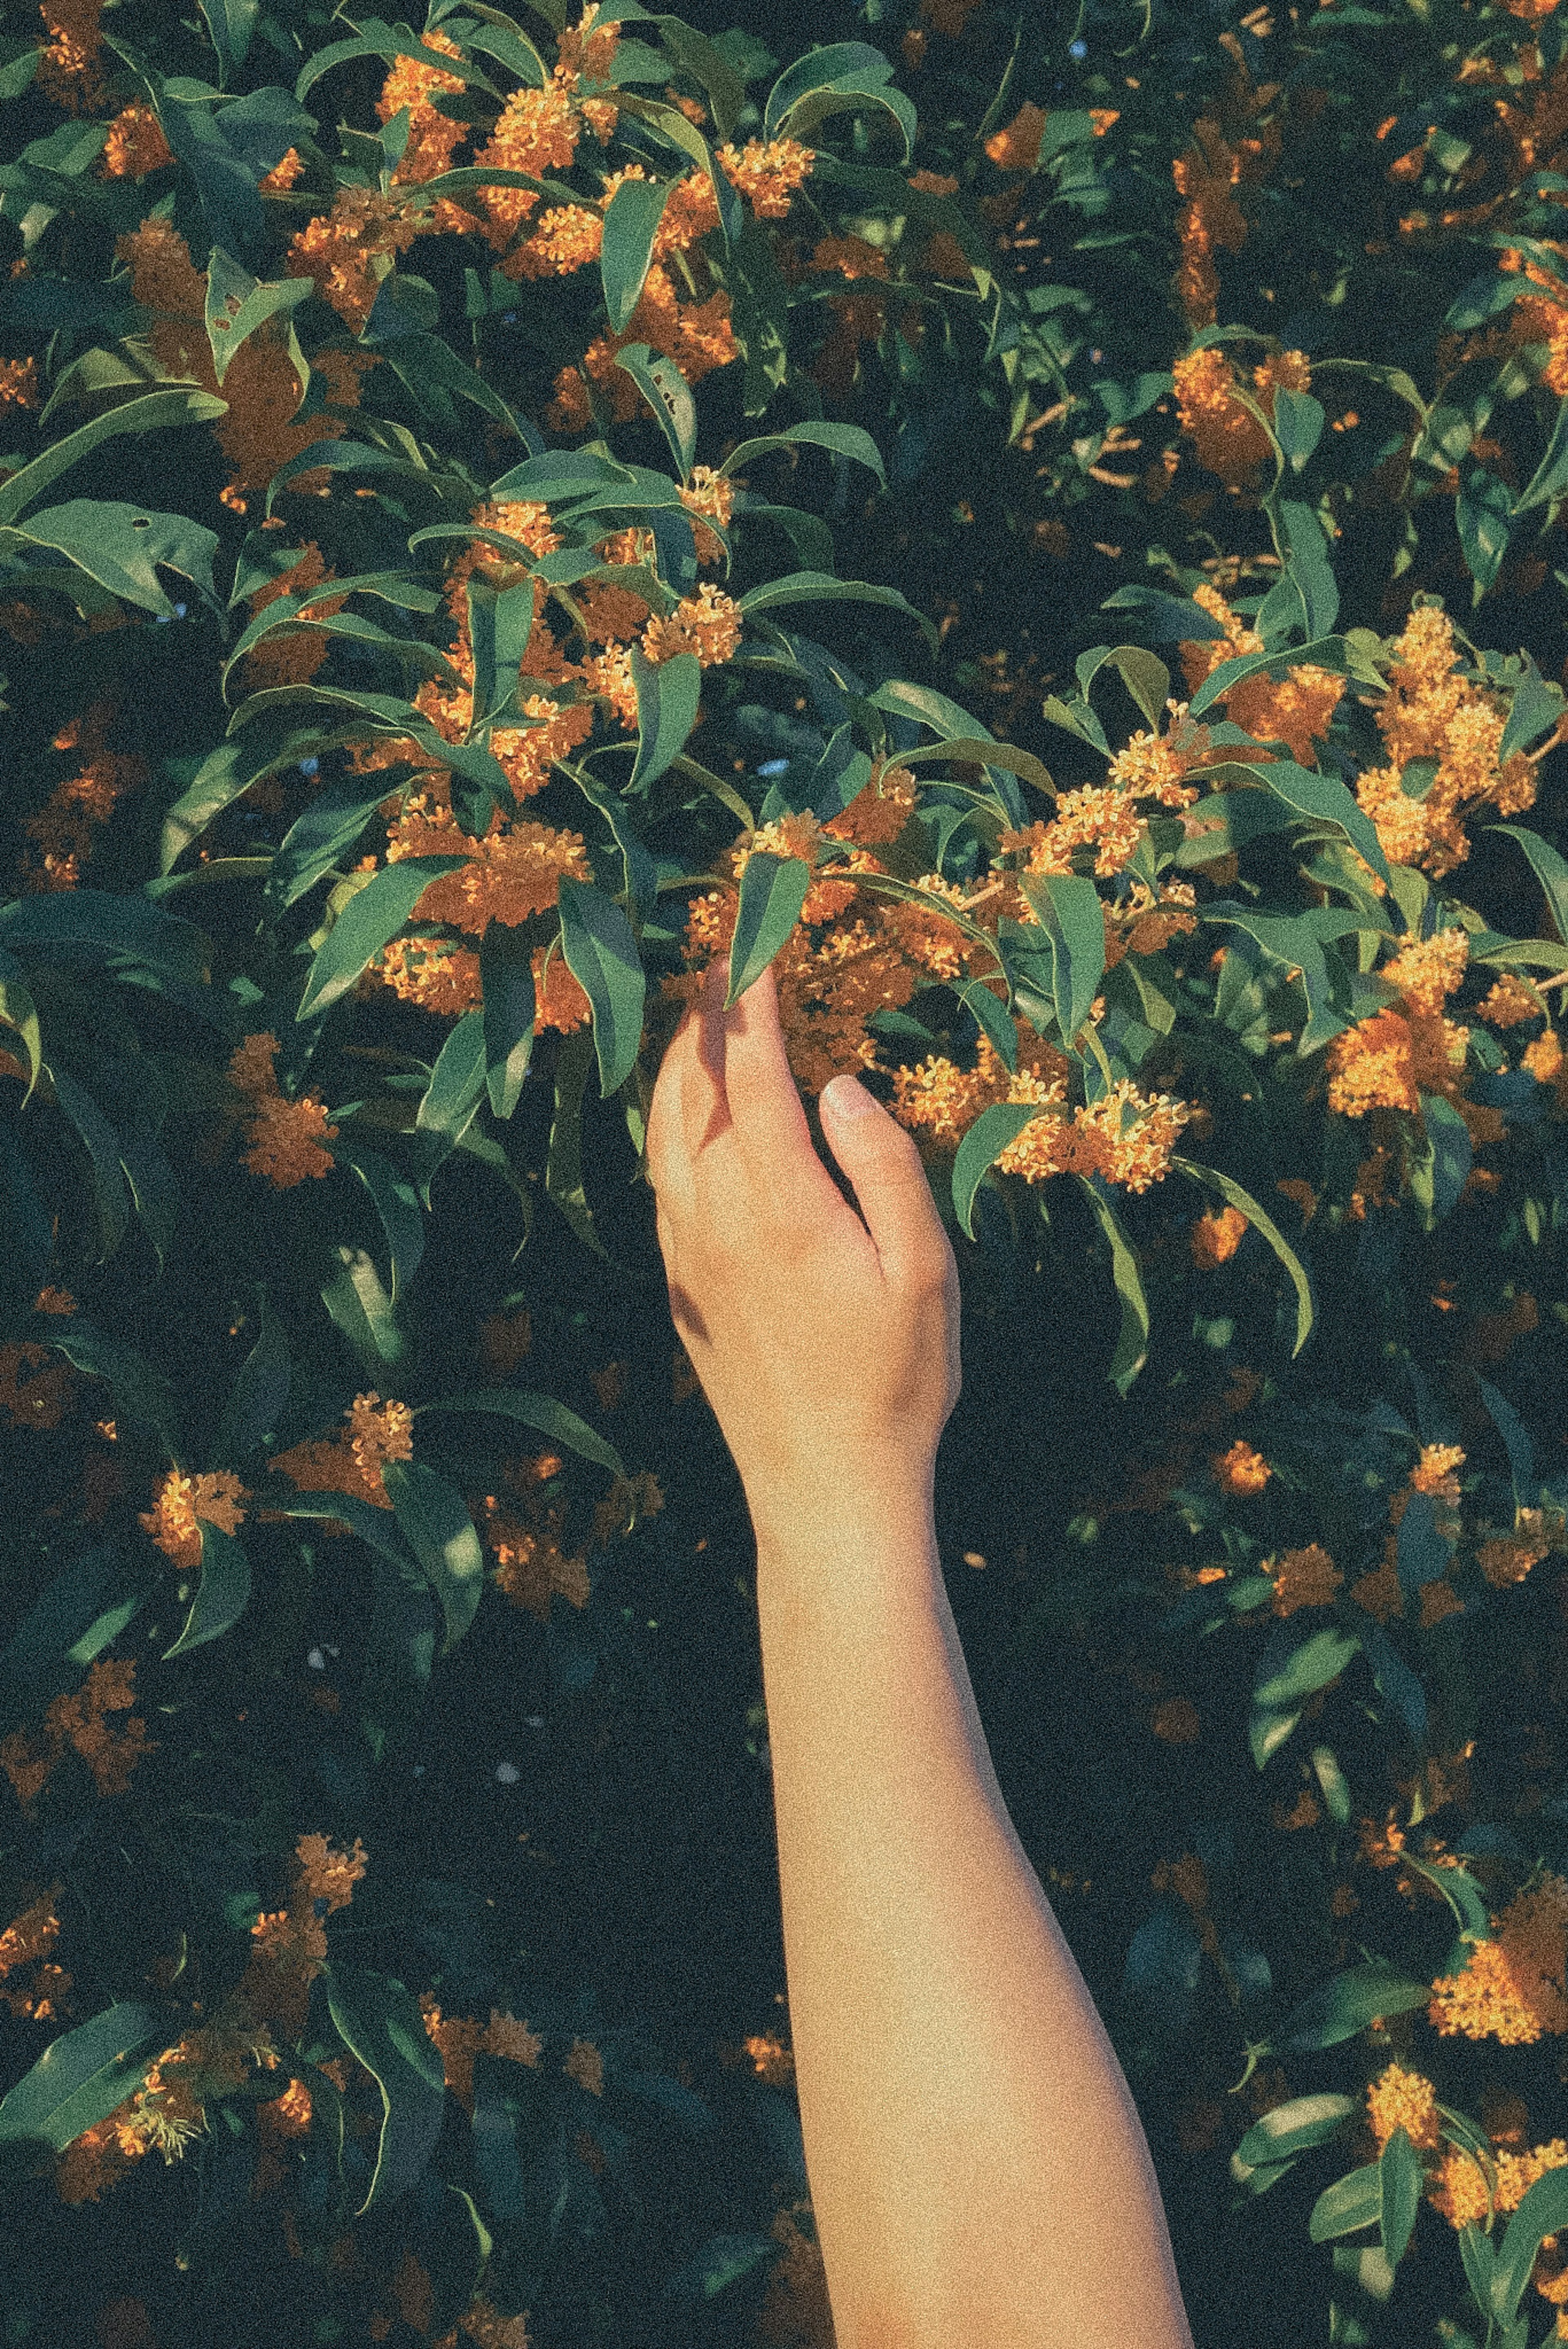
(978, 2172)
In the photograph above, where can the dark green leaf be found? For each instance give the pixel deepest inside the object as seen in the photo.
(815, 432)
(154, 410)
(141, 1393)
(1069, 912)
(371, 918)
(118, 545)
(360, 1305)
(667, 693)
(1234, 1196)
(1402, 2180)
(101, 1144)
(601, 953)
(845, 77)
(237, 305)
(563, 1163)
(498, 626)
(1294, 2128)
(1547, 865)
(1542, 2212)
(662, 385)
(1352, 2202)
(456, 1080)
(1483, 511)
(1451, 1155)
(80, 2076)
(773, 891)
(1132, 1339)
(230, 24)
(222, 1592)
(260, 1392)
(381, 2024)
(982, 1145)
(510, 1006)
(434, 1517)
(398, 1205)
(229, 771)
(820, 587)
(541, 1411)
(1346, 2005)
(722, 2261)
(631, 222)
(324, 832)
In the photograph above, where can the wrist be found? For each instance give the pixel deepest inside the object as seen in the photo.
(877, 1505)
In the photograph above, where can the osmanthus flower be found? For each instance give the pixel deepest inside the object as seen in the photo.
(1512, 1988)
(1227, 438)
(514, 871)
(878, 811)
(530, 1564)
(1016, 147)
(1404, 2099)
(697, 335)
(350, 1460)
(1216, 1237)
(260, 431)
(65, 827)
(568, 237)
(291, 656)
(1428, 710)
(337, 248)
(1241, 1470)
(135, 145)
(1295, 709)
(77, 1719)
(19, 383)
(433, 137)
(706, 624)
(329, 1873)
(68, 71)
(437, 974)
(285, 1139)
(459, 2038)
(767, 173)
(712, 495)
(1506, 1558)
(182, 1504)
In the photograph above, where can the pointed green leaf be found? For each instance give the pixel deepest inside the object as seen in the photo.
(667, 693)
(360, 1305)
(499, 627)
(773, 891)
(815, 432)
(154, 410)
(82, 2076)
(371, 920)
(1234, 1196)
(1345, 2005)
(1547, 865)
(398, 1205)
(1294, 2127)
(1069, 910)
(237, 305)
(20, 1014)
(260, 1392)
(456, 1080)
(821, 587)
(982, 1146)
(118, 545)
(661, 383)
(223, 1593)
(1352, 2202)
(1132, 1339)
(434, 1517)
(381, 2024)
(541, 1411)
(226, 773)
(631, 222)
(1542, 2212)
(509, 1011)
(601, 953)
(322, 835)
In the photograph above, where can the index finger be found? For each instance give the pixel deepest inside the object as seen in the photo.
(765, 1107)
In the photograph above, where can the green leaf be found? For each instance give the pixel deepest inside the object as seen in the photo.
(976, 751)
(150, 413)
(362, 1309)
(982, 1145)
(1294, 2127)
(371, 920)
(323, 834)
(821, 587)
(260, 1392)
(663, 387)
(541, 1411)
(845, 77)
(226, 773)
(66, 924)
(1479, 2255)
(1483, 511)
(101, 1144)
(237, 305)
(1069, 911)
(1352, 2202)
(398, 1205)
(1451, 1155)
(1132, 1339)
(80, 2076)
(1325, 800)
(815, 432)
(1547, 865)
(601, 953)
(773, 891)
(722, 2261)
(456, 1080)
(1299, 420)
(377, 40)
(499, 627)
(434, 1516)
(119, 544)
(563, 1163)
(1401, 2180)
(1346, 2005)
(510, 1007)
(667, 693)
(230, 24)
(342, 456)
(20, 1014)
(377, 1528)
(223, 1594)
(1243, 1201)
(631, 222)
(1542, 2212)
(1323, 652)
(670, 124)
(139, 1391)
(1551, 476)
(381, 2024)
(758, 299)
(1318, 1658)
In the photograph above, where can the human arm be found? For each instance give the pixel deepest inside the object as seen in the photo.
(977, 2168)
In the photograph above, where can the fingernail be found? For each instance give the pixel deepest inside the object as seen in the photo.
(845, 1098)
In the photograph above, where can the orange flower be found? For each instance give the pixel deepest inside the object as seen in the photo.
(182, 1504)
(328, 1874)
(1407, 2100)
(337, 248)
(767, 175)
(1512, 1988)
(585, 2065)
(1428, 711)
(706, 624)
(1016, 147)
(284, 1138)
(1216, 1237)
(433, 137)
(1176, 1722)
(1306, 1577)
(1241, 1470)
(1509, 1002)
(34, 1388)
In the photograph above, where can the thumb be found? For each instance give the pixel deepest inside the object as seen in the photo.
(882, 1162)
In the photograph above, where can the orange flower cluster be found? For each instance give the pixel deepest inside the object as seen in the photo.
(1306, 1577)
(458, 2039)
(64, 827)
(284, 1138)
(28, 1940)
(513, 872)
(524, 1539)
(1387, 1060)
(35, 1388)
(184, 1504)
(1016, 146)
(1428, 712)
(19, 383)
(1106, 817)
(136, 144)
(68, 72)
(259, 434)
(1216, 1237)
(1295, 709)
(79, 1722)
(1227, 438)
(339, 249)
(1210, 220)
(289, 1944)
(1241, 1470)
(291, 656)
(351, 1459)
(433, 137)
(1512, 1989)
(168, 2110)
(1398, 2098)
(697, 336)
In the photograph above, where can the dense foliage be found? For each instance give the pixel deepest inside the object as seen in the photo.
(499, 515)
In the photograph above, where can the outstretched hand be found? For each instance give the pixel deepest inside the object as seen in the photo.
(826, 1342)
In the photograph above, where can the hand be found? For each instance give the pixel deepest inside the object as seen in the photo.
(828, 1346)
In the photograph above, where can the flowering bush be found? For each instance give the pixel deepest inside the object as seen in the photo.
(403, 715)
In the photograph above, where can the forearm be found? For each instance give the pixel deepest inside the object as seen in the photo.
(978, 2172)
